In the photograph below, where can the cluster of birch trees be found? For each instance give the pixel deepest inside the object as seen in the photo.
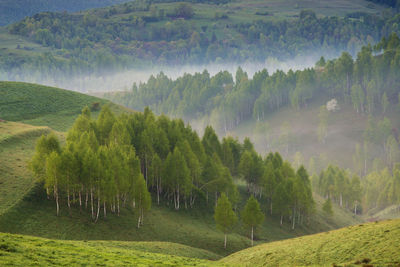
(97, 168)
(111, 162)
(116, 161)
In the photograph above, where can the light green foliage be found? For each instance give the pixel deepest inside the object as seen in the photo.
(224, 216)
(252, 215)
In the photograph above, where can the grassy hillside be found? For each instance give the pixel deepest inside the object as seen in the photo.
(35, 215)
(17, 250)
(375, 243)
(11, 11)
(32, 214)
(44, 106)
(17, 142)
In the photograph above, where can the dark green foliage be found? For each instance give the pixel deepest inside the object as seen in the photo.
(145, 33)
(12, 11)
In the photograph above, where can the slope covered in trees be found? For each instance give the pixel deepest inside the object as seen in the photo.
(367, 82)
(26, 209)
(368, 85)
(146, 33)
(115, 161)
(12, 11)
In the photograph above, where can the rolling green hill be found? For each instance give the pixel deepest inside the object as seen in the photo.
(17, 142)
(372, 244)
(17, 250)
(29, 212)
(45, 106)
(377, 244)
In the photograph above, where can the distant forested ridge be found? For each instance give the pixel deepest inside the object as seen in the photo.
(370, 83)
(114, 162)
(146, 33)
(391, 3)
(12, 11)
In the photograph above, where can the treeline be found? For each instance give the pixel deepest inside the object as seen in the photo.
(391, 3)
(370, 83)
(147, 33)
(113, 162)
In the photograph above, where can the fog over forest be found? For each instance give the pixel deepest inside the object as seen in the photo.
(124, 80)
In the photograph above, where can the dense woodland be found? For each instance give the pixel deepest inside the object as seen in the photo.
(143, 34)
(12, 11)
(114, 162)
(370, 83)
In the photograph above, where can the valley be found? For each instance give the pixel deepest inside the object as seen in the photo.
(200, 133)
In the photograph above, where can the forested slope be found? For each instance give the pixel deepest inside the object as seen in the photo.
(341, 112)
(186, 218)
(146, 33)
(12, 11)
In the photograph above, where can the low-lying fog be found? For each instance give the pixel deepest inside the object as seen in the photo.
(125, 79)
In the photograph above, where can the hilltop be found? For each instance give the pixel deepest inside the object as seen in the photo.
(46, 106)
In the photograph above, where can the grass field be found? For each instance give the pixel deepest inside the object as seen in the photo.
(377, 244)
(17, 142)
(45, 106)
(35, 215)
(17, 250)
